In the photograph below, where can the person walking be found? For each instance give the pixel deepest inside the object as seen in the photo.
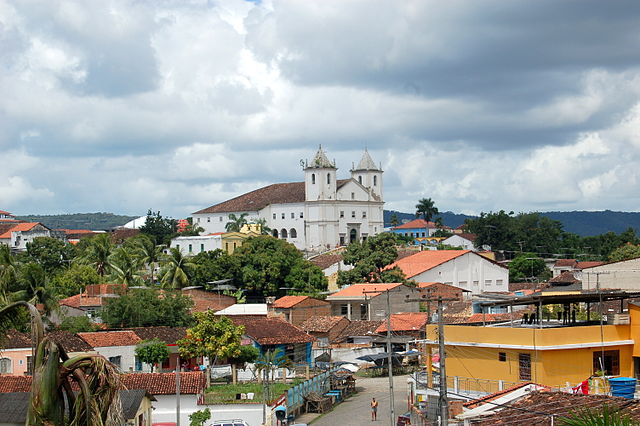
(374, 409)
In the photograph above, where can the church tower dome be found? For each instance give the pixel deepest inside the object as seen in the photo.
(368, 174)
(320, 177)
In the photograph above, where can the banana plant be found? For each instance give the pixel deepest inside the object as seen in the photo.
(53, 400)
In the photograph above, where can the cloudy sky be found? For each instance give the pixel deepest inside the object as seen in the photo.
(122, 106)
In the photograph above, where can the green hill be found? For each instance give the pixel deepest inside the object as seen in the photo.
(92, 221)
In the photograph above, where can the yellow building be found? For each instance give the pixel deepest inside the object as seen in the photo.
(550, 354)
(233, 240)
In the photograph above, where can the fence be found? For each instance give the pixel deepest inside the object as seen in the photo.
(465, 385)
(320, 384)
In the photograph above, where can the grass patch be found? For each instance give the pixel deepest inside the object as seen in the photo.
(226, 394)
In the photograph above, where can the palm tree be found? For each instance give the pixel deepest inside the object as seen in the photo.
(394, 221)
(8, 271)
(236, 222)
(176, 270)
(97, 402)
(426, 208)
(149, 253)
(264, 229)
(33, 288)
(98, 254)
(270, 361)
(125, 266)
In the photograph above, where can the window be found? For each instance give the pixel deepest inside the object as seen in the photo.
(488, 282)
(364, 312)
(462, 284)
(502, 356)
(274, 215)
(282, 215)
(476, 283)
(293, 215)
(328, 178)
(364, 215)
(313, 178)
(208, 219)
(201, 248)
(524, 366)
(353, 214)
(353, 195)
(360, 179)
(610, 363)
(341, 213)
(190, 248)
(301, 215)
(283, 234)
(375, 180)
(5, 366)
(115, 360)
(275, 233)
(498, 282)
(293, 233)
(344, 309)
(178, 247)
(423, 235)
(138, 363)
(198, 220)
(220, 219)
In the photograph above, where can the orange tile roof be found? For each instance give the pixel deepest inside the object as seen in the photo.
(6, 213)
(361, 290)
(192, 382)
(111, 338)
(417, 224)
(21, 226)
(80, 300)
(406, 321)
(288, 301)
(588, 264)
(425, 260)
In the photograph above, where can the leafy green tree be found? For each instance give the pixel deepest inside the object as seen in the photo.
(215, 337)
(147, 307)
(8, 271)
(197, 418)
(125, 267)
(625, 252)
(161, 229)
(394, 221)
(528, 266)
(248, 354)
(34, 288)
(152, 351)
(215, 265)
(369, 259)
(98, 253)
(426, 208)
(236, 222)
(73, 280)
(268, 264)
(78, 324)
(51, 253)
(176, 271)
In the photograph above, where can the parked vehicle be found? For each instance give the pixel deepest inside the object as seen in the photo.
(404, 420)
(233, 422)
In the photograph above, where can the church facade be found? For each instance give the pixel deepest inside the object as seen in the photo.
(318, 214)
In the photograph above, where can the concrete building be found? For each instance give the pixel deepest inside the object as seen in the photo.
(319, 213)
(17, 234)
(369, 301)
(465, 241)
(296, 309)
(461, 268)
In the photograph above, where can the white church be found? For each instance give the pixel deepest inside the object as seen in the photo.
(320, 213)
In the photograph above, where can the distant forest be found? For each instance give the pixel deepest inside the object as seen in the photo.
(577, 222)
(92, 221)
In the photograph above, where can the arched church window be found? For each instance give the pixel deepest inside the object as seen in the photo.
(360, 179)
(328, 177)
(313, 178)
(375, 180)
(293, 233)
(275, 233)
(283, 233)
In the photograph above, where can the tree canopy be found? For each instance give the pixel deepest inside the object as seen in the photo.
(370, 258)
(625, 252)
(161, 229)
(426, 208)
(528, 267)
(215, 337)
(147, 307)
(152, 351)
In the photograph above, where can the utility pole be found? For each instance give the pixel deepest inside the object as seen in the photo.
(178, 391)
(443, 403)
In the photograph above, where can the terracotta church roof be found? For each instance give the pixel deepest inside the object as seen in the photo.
(277, 193)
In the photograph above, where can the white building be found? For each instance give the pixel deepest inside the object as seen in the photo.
(461, 240)
(461, 268)
(320, 213)
(17, 235)
(190, 246)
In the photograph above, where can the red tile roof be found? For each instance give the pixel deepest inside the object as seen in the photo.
(417, 224)
(80, 301)
(406, 321)
(359, 328)
(5, 213)
(323, 261)
(15, 384)
(565, 277)
(588, 264)
(424, 260)
(564, 263)
(271, 331)
(191, 383)
(468, 236)
(321, 323)
(361, 290)
(70, 342)
(111, 338)
(20, 226)
(288, 301)
(14, 339)
(277, 193)
(169, 335)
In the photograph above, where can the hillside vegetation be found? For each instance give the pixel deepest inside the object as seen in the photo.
(92, 221)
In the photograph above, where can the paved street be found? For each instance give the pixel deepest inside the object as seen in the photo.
(356, 410)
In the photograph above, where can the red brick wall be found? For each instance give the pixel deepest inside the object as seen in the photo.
(305, 309)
